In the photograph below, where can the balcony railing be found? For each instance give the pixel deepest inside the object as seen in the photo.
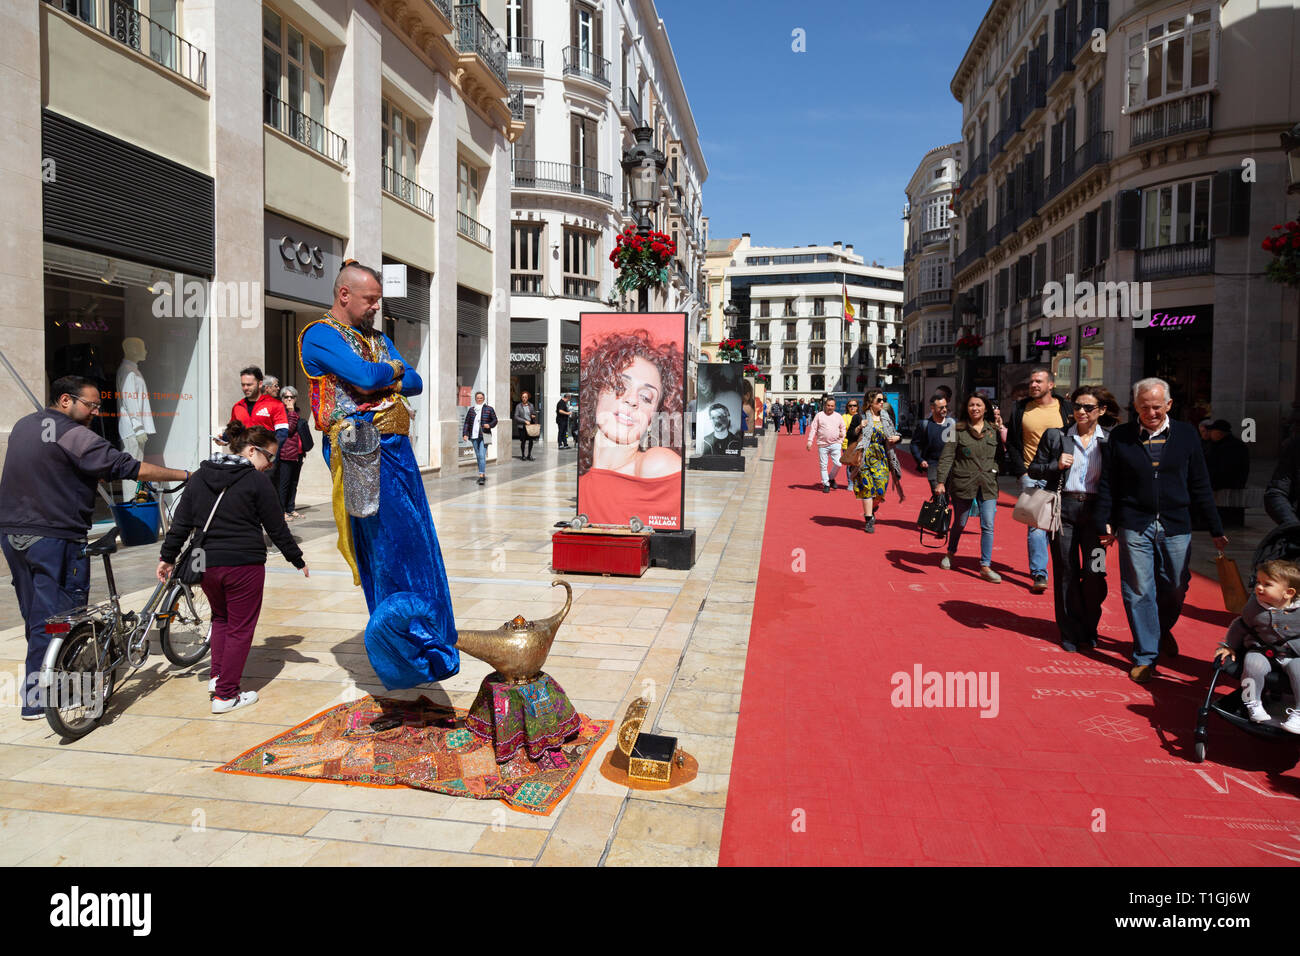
(561, 177)
(1098, 18)
(1061, 64)
(586, 64)
(1092, 153)
(475, 34)
(445, 7)
(395, 184)
(977, 169)
(526, 283)
(121, 21)
(935, 235)
(473, 229)
(577, 288)
(932, 352)
(909, 306)
(632, 104)
(278, 114)
(934, 297)
(1176, 261)
(1185, 115)
(524, 53)
(517, 102)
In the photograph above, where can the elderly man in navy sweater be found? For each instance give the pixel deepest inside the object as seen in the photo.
(1157, 474)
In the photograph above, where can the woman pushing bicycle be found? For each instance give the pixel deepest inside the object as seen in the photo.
(235, 500)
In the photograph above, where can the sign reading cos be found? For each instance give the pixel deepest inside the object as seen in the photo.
(301, 254)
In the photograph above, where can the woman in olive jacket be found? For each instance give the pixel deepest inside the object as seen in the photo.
(968, 467)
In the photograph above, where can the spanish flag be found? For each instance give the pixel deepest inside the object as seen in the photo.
(849, 314)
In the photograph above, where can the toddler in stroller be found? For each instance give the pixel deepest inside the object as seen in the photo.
(1268, 631)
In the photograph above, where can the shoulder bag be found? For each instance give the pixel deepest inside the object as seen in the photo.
(1039, 508)
(935, 518)
(191, 563)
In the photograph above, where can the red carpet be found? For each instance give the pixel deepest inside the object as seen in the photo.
(1080, 766)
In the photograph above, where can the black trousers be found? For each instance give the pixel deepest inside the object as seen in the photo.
(526, 446)
(287, 480)
(1078, 571)
(562, 430)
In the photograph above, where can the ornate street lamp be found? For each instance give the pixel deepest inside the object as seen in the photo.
(732, 312)
(643, 165)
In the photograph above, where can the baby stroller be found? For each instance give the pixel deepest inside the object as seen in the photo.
(1282, 543)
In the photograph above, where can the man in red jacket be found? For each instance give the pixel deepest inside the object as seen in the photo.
(258, 409)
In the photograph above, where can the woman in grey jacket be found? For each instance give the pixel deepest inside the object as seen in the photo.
(525, 415)
(968, 466)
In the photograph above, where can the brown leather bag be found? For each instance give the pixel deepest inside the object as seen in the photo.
(1234, 592)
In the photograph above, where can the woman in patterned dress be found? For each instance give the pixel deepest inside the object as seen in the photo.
(876, 438)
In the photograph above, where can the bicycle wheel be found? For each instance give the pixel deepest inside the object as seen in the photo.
(185, 631)
(79, 690)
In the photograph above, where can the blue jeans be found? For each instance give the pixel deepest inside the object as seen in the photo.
(1036, 540)
(51, 577)
(1154, 574)
(480, 453)
(961, 509)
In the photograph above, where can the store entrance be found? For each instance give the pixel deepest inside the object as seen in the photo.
(1183, 357)
(529, 382)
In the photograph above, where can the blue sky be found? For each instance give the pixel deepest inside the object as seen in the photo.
(817, 146)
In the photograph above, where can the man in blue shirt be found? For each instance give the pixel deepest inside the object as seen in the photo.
(929, 436)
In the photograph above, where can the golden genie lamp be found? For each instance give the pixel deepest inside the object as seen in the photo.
(518, 648)
(520, 706)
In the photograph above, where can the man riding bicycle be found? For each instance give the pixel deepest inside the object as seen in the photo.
(47, 499)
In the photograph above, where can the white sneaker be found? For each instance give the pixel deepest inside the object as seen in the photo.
(249, 697)
(1292, 723)
(1257, 712)
(946, 562)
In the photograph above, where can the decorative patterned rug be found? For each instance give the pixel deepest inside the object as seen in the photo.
(430, 750)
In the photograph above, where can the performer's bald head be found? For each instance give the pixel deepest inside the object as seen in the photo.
(357, 291)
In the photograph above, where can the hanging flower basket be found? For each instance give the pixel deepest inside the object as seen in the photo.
(641, 261)
(731, 350)
(968, 346)
(1284, 244)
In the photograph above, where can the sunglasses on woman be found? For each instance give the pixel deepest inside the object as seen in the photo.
(1086, 409)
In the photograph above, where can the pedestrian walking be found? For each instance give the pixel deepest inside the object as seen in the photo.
(929, 436)
(803, 417)
(850, 413)
(256, 407)
(47, 501)
(292, 453)
(827, 435)
(968, 471)
(1228, 461)
(235, 500)
(525, 415)
(1040, 410)
(562, 414)
(1072, 462)
(791, 416)
(479, 422)
(778, 415)
(875, 438)
(1155, 476)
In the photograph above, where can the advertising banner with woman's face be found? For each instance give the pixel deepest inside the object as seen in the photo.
(632, 393)
(718, 409)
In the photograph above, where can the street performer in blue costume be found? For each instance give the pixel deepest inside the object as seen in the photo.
(358, 376)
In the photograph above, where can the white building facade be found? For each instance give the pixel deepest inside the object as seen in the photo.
(791, 306)
(584, 76)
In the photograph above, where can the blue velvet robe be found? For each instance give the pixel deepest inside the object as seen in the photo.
(411, 637)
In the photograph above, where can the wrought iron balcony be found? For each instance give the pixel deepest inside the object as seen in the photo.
(1186, 115)
(977, 169)
(585, 63)
(517, 101)
(561, 177)
(278, 114)
(475, 34)
(445, 7)
(935, 235)
(121, 21)
(411, 193)
(525, 283)
(473, 229)
(579, 288)
(524, 53)
(1061, 64)
(1098, 17)
(1092, 153)
(1176, 261)
(631, 105)
(934, 297)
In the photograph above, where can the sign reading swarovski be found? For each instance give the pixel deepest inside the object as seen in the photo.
(301, 262)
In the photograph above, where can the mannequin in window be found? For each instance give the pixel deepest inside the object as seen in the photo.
(134, 417)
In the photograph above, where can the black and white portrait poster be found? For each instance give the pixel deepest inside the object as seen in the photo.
(718, 409)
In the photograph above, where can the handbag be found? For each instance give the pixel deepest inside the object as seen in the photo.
(359, 443)
(191, 563)
(1039, 508)
(852, 458)
(304, 436)
(1234, 592)
(935, 518)
(533, 430)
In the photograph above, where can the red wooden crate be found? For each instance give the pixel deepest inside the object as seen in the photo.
(588, 553)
